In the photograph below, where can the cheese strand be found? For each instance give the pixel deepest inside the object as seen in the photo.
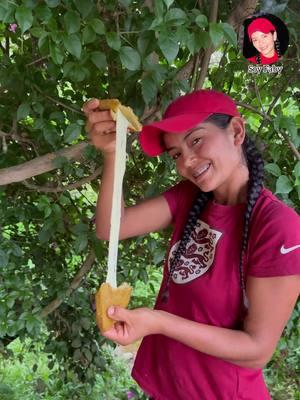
(115, 218)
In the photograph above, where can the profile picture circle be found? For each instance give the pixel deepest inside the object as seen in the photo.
(266, 39)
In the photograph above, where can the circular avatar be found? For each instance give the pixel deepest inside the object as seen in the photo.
(266, 39)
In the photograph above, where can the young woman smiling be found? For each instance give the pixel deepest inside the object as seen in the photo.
(231, 275)
(263, 35)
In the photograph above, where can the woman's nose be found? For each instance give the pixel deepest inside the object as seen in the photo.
(189, 159)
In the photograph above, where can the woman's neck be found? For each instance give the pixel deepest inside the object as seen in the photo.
(234, 192)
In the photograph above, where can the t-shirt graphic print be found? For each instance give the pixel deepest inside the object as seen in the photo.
(198, 256)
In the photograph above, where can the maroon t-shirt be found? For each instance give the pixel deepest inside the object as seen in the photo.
(206, 288)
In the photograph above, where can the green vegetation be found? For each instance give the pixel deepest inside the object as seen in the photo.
(56, 54)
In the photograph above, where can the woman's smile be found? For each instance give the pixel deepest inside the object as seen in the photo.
(199, 172)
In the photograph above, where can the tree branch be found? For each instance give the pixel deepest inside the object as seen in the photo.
(58, 189)
(267, 117)
(39, 165)
(86, 267)
(37, 61)
(205, 61)
(237, 16)
(241, 12)
(56, 101)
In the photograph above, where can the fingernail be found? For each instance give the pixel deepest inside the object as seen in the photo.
(111, 310)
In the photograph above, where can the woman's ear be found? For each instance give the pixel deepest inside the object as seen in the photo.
(238, 130)
(275, 36)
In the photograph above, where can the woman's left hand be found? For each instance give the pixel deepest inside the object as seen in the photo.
(132, 325)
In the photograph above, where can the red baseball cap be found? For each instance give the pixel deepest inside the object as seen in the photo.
(261, 25)
(183, 114)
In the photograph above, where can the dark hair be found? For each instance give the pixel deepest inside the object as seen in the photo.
(256, 178)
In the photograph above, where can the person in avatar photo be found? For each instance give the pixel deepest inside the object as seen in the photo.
(265, 39)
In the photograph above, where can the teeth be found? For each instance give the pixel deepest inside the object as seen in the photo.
(201, 170)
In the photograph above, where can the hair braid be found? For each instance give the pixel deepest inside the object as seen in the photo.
(277, 48)
(256, 180)
(197, 207)
(258, 59)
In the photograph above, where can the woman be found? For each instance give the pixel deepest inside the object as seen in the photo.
(231, 276)
(262, 34)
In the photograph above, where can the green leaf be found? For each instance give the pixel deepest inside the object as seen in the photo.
(130, 58)
(52, 3)
(149, 88)
(43, 43)
(59, 161)
(3, 259)
(43, 13)
(81, 243)
(159, 8)
(297, 170)
(145, 43)
(168, 3)
(289, 124)
(37, 32)
(76, 343)
(23, 111)
(273, 169)
(283, 184)
(216, 33)
(73, 45)
(24, 18)
(99, 59)
(7, 14)
(45, 233)
(72, 22)
(89, 35)
(168, 45)
(98, 26)
(176, 16)
(201, 21)
(56, 54)
(113, 40)
(72, 132)
(16, 250)
(88, 354)
(84, 6)
(229, 33)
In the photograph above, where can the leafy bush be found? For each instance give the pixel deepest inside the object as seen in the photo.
(55, 55)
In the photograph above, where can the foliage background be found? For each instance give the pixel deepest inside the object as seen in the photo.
(56, 54)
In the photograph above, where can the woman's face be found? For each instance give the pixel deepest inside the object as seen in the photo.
(207, 155)
(264, 43)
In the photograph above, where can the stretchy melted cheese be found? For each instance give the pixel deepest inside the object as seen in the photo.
(109, 294)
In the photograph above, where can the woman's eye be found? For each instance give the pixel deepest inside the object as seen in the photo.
(195, 141)
(175, 156)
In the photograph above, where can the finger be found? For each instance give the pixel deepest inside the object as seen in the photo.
(118, 313)
(103, 128)
(99, 116)
(119, 329)
(90, 106)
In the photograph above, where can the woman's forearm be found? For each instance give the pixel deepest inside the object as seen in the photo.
(235, 346)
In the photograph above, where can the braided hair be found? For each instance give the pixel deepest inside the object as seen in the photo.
(256, 177)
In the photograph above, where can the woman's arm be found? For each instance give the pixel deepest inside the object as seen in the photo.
(147, 216)
(271, 302)
(151, 215)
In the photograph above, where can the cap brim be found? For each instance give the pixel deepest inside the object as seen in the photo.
(151, 135)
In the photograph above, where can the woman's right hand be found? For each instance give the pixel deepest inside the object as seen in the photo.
(100, 127)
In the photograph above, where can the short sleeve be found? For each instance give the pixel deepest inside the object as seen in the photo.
(274, 242)
(180, 196)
